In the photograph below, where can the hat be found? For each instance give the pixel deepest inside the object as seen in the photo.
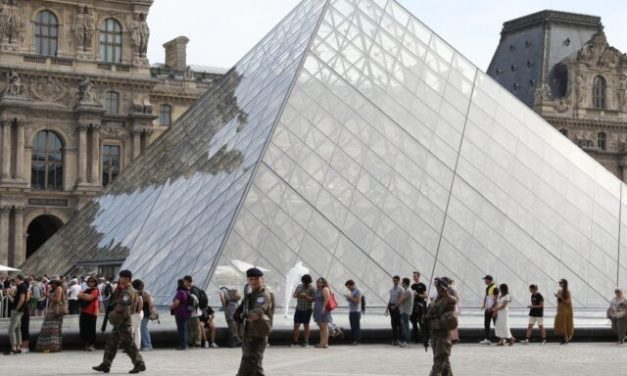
(126, 273)
(254, 272)
(488, 277)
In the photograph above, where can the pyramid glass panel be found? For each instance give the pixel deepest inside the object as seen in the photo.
(353, 142)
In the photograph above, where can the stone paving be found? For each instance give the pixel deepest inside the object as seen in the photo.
(367, 360)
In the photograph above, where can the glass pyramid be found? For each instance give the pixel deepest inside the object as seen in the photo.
(355, 143)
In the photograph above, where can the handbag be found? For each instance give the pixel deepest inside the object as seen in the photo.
(60, 308)
(331, 303)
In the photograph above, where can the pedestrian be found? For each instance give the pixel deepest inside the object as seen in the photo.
(563, 325)
(489, 302)
(395, 315)
(25, 322)
(255, 315)
(441, 319)
(18, 303)
(321, 315)
(536, 315)
(617, 313)
(193, 322)
(230, 299)
(51, 334)
(405, 306)
(454, 292)
(148, 307)
(181, 313)
(207, 321)
(89, 302)
(72, 296)
(304, 295)
(501, 313)
(107, 292)
(137, 314)
(353, 296)
(121, 306)
(419, 309)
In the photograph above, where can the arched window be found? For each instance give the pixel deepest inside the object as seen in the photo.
(46, 33)
(111, 41)
(47, 165)
(564, 131)
(601, 140)
(598, 93)
(165, 115)
(112, 102)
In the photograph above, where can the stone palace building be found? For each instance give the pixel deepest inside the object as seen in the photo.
(79, 102)
(561, 65)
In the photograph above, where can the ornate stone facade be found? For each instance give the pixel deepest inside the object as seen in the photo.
(580, 86)
(78, 103)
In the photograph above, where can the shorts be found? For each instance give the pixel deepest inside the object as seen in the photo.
(536, 320)
(302, 317)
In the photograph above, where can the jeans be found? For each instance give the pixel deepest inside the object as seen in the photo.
(395, 319)
(405, 327)
(487, 317)
(146, 340)
(354, 318)
(181, 328)
(15, 330)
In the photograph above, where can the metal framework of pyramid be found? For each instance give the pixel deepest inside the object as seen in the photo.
(354, 142)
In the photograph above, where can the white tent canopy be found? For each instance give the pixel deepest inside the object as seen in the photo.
(4, 268)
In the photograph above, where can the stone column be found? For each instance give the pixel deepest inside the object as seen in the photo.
(95, 155)
(4, 235)
(82, 153)
(6, 149)
(19, 252)
(136, 136)
(19, 155)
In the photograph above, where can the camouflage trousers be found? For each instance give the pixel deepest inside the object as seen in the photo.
(441, 352)
(123, 338)
(252, 356)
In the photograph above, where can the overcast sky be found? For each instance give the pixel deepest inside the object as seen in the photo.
(222, 31)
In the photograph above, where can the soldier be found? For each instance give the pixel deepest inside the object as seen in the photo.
(254, 316)
(124, 299)
(441, 319)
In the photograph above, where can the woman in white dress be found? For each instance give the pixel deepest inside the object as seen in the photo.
(501, 314)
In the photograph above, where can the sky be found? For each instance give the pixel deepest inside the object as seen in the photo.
(222, 31)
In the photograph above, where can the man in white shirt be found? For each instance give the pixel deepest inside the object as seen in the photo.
(405, 305)
(72, 296)
(395, 315)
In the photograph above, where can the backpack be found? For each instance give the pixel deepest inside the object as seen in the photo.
(107, 291)
(192, 302)
(203, 300)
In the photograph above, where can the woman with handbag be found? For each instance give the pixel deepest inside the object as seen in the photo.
(88, 303)
(563, 324)
(321, 313)
(51, 335)
(501, 313)
(149, 311)
(617, 312)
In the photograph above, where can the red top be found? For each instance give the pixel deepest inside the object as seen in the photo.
(92, 308)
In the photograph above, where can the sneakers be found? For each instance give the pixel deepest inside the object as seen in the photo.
(485, 342)
(294, 344)
(306, 345)
(525, 341)
(102, 368)
(205, 345)
(355, 343)
(543, 342)
(213, 345)
(403, 344)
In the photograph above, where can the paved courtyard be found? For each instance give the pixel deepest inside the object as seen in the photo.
(367, 360)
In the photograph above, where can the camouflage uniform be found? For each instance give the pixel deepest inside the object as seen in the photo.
(121, 304)
(255, 332)
(440, 337)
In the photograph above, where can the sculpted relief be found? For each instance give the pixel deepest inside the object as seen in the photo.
(47, 89)
(11, 22)
(83, 30)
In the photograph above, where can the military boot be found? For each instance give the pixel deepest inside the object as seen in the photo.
(139, 367)
(102, 368)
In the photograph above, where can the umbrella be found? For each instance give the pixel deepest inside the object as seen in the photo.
(4, 268)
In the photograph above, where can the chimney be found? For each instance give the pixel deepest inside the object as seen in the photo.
(176, 53)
